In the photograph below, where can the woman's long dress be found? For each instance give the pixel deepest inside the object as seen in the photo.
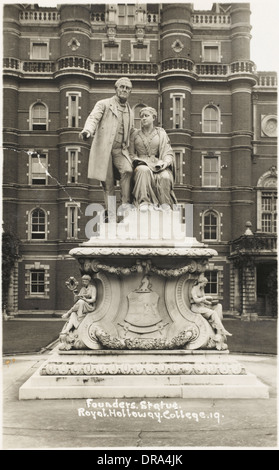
(152, 186)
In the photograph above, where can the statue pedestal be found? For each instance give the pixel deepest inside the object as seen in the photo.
(142, 339)
(134, 374)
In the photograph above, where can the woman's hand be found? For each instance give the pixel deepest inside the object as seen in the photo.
(161, 165)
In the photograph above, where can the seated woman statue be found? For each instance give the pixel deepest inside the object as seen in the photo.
(153, 163)
(85, 302)
(203, 304)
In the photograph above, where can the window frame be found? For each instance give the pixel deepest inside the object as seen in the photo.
(177, 97)
(32, 119)
(217, 121)
(144, 45)
(44, 154)
(36, 266)
(213, 45)
(207, 156)
(31, 223)
(128, 18)
(37, 42)
(72, 234)
(267, 183)
(69, 151)
(218, 231)
(179, 171)
(115, 45)
(208, 275)
(70, 116)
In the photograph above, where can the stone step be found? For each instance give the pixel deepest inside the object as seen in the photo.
(115, 374)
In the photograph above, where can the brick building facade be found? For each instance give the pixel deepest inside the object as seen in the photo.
(195, 68)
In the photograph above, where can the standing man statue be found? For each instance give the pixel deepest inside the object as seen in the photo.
(110, 123)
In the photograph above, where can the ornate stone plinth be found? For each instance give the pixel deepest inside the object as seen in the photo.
(142, 337)
(132, 374)
(143, 300)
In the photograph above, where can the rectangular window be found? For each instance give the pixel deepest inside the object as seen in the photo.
(212, 285)
(73, 109)
(178, 112)
(211, 172)
(211, 54)
(126, 14)
(140, 53)
(38, 169)
(72, 165)
(111, 52)
(177, 116)
(72, 218)
(210, 227)
(39, 51)
(179, 167)
(37, 281)
(269, 211)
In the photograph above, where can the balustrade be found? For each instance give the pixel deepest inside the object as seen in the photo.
(125, 68)
(176, 64)
(255, 244)
(211, 69)
(97, 17)
(210, 20)
(74, 62)
(38, 66)
(267, 80)
(39, 16)
(11, 63)
(243, 67)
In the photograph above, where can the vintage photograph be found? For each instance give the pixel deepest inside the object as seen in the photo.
(139, 239)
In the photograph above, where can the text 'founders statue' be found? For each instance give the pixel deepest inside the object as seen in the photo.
(110, 123)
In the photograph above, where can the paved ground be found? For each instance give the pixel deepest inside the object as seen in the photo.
(56, 424)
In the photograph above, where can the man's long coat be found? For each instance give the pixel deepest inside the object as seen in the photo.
(102, 125)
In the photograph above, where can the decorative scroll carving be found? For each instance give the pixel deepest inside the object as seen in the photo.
(177, 368)
(110, 342)
(143, 251)
(144, 265)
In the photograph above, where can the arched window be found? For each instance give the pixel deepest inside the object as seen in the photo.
(211, 226)
(38, 224)
(137, 111)
(211, 119)
(267, 202)
(38, 117)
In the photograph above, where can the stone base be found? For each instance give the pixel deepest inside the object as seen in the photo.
(138, 374)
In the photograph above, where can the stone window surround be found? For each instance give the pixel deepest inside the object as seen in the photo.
(174, 97)
(218, 226)
(29, 224)
(28, 269)
(68, 206)
(30, 120)
(220, 279)
(211, 155)
(70, 115)
(68, 151)
(215, 44)
(181, 151)
(218, 120)
(116, 43)
(145, 44)
(29, 165)
(262, 186)
(41, 40)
